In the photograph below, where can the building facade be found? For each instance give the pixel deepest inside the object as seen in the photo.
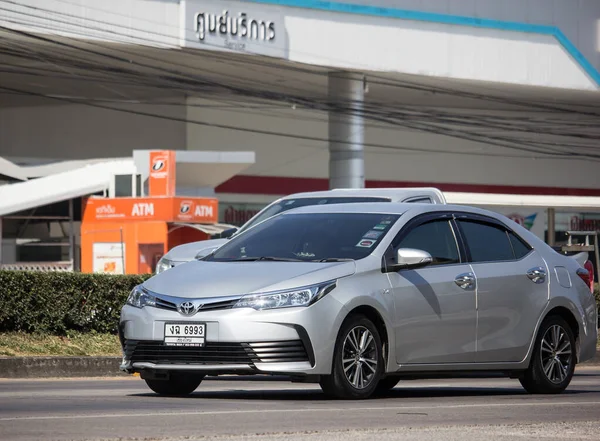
(475, 96)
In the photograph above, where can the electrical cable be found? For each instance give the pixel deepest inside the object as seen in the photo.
(224, 126)
(401, 83)
(438, 130)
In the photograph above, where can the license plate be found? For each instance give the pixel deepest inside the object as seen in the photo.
(185, 334)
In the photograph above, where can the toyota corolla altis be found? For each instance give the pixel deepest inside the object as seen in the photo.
(358, 296)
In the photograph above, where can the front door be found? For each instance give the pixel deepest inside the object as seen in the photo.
(435, 317)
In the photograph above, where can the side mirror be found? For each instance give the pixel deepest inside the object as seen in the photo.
(228, 233)
(409, 258)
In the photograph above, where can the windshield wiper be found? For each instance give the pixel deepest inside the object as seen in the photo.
(265, 258)
(333, 259)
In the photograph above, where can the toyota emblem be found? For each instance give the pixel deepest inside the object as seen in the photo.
(187, 308)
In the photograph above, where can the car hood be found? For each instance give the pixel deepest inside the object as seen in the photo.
(200, 279)
(188, 251)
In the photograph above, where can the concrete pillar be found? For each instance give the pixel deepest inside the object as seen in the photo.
(346, 130)
(551, 226)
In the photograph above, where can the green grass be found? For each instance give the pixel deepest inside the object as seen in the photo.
(17, 344)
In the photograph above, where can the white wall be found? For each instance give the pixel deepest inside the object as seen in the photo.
(433, 49)
(579, 20)
(389, 44)
(82, 132)
(344, 40)
(279, 156)
(149, 22)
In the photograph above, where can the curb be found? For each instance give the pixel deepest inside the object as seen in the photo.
(62, 367)
(45, 367)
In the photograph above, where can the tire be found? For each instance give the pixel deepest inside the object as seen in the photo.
(551, 371)
(386, 384)
(177, 385)
(363, 376)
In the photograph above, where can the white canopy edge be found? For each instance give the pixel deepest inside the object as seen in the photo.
(63, 186)
(24, 172)
(205, 228)
(587, 203)
(11, 170)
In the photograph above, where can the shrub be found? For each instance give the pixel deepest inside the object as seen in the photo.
(56, 303)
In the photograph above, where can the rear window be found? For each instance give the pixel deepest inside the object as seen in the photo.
(487, 243)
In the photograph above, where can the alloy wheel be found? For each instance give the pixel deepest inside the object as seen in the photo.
(360, 356)
(556, 354)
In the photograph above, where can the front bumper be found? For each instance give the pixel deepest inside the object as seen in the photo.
(289, 341)
(218, 358)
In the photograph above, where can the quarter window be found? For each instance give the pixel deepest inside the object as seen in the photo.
(487, 243)
(519, 247)
(435, 237)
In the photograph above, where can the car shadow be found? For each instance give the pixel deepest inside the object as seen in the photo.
(316, 394)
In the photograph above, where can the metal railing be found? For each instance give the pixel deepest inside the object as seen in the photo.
(585, 246)
(66, 266)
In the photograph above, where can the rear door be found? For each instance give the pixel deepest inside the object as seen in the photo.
(512, 287)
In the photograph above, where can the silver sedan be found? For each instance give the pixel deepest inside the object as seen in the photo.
(358, 296)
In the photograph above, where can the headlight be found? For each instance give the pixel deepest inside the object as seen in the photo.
(140, 298)
(163, 265)
(305, 296)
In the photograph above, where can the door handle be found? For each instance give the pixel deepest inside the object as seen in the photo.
(537, 274)
(465, 280)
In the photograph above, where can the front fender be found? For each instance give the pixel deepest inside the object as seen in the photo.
(382, 305)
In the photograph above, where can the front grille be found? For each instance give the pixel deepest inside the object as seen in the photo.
(226, 304)
(214, 353)
(277, 352)
(213, 305)
(163, 304)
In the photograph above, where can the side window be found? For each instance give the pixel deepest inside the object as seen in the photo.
(435, 237)
(487, 243)
(520, 248)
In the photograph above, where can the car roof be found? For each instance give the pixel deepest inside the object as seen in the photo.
(392, 193)
(400, 208)
(387, 208)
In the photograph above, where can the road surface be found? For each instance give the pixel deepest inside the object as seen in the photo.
(458, 409)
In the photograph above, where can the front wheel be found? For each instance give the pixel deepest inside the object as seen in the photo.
(553, 359)
(357, 360)
(177, 385)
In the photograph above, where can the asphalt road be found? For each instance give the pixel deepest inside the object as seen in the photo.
(463, 409)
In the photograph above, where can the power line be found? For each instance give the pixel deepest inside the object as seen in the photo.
(478, 139)
(382, 80)
(228, 127)
(474, 137)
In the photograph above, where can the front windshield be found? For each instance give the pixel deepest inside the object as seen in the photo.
(309, 237)
(288, 204)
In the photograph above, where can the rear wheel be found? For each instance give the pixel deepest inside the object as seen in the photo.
(178, 384)
(553, 359)
(357, 360)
